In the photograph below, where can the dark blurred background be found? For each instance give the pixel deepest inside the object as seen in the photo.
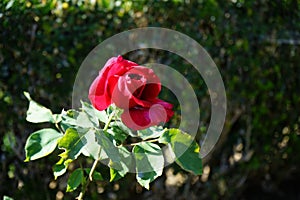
(255, 44)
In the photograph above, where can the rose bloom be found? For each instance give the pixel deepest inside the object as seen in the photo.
(133, 88)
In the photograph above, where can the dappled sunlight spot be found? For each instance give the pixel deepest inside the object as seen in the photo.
(100, 189)
(116, 187)
(284, 142)
(237, 156)
(231, 161)
(284, 156)
(59, 195)
(206, 172)
(52, 185)
(175, 179)
(222, 186)
(20, 184)
(112, 196)
(25, 171)
(239, 147)
(194, 179)
(296, 129)
(285, 130)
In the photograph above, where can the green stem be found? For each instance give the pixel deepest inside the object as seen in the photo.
(109, 120)
(94, 166)
(90, 177)
(80, 196)
(57, 126)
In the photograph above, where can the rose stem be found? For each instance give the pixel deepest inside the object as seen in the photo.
(90, 178)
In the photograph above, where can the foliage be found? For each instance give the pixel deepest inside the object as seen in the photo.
(255, 45)
(79, 132)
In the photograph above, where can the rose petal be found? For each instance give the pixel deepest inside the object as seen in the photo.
(119, 66)
(138, 118)
(100, 102)
(167, 107)
(100, 89)
(165, 104)
(153, 85)
(97, 94)
(126, 93)
(151, 91)
(123, 98)
(136, 87)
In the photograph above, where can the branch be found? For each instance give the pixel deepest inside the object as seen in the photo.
(90, 177)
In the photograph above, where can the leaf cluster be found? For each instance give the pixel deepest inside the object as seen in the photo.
(102, 136)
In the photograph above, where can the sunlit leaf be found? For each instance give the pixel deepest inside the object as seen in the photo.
(115, 174)
(151, 132)
(92, 147)
(72, 142)
(57, 118)
(94, 114)
(73, 118)
(9, 4)
(83, 120)
(60, 167)
(149, 162)
(69, 119)
(185, 149)
(41, 143)
(7, 198)
(118, 134)
(108, 147)
(122, 127)
(120, 169)
(37, 113)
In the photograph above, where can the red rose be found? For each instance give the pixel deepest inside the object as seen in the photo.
(100, 92)
(133, 88)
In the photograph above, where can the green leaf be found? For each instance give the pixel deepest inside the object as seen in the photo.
(60, 167)
(37, 113)
(115, 174)
(73, 118)
(83, 120)
(122, 127)
(185, 149)
(72, 142)
(75, 179)
(119, 170)
(94, 114)
(69, 119)
(96, 175)
(9, 4)
(57, 118)
(108, 147)
(118, 134)
(149, 163)
(92, 148)
(151, 132)
(41, 143)
(7, 198)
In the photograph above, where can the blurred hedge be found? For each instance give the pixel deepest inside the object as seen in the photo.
(255, 44)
